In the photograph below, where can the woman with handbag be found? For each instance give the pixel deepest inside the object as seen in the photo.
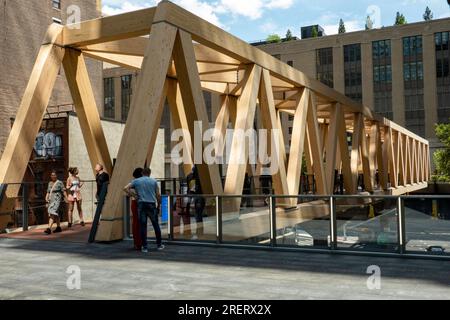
(54, 197)
(73, 186)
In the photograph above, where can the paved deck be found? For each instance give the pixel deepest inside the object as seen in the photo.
(33, 269)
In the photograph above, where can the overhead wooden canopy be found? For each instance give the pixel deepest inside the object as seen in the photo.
(179, 55)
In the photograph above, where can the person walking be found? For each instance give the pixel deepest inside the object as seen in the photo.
(101, 178)
(195, 188)
(149, 198)
(73, 187)
(54, 197)
(137, 173)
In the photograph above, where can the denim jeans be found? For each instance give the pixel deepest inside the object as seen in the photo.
(148, 209)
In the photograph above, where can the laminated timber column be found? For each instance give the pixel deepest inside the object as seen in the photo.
(315, 144)
(85, 106)
(331, 146)
(143, 121)
(179, 119)
(357, 136)
(194, 105)
(270, 122)
(297, 142)
(245, 115)
(31, 111)
(343, 151)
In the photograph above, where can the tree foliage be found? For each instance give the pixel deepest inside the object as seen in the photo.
(341, 26)
(428, 15)
(288, 35)
(314, 32)
(273, 38)
(400, 19)
(441, 157)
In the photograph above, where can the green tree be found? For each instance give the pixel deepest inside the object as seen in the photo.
(273, 38)
(314, 32)
(441, 157)
(341, 26)
(288, 35)
(400, 19)
(369, 23)
(428, 15)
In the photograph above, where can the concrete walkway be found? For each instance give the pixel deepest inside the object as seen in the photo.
(31, 269)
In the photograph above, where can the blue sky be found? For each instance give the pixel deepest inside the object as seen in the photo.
(255, 19)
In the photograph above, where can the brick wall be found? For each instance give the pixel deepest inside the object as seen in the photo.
(23, 24)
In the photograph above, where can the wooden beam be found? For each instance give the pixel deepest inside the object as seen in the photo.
(180, 121)
(125, 61)
(122, 26)
(31, 111)
(331, 146)
(217, 39)
(270, 122)
(221, 126)
(297, 143)
(316, 146)
(239, 148)
(194, 104)
(345, 157)
(145, 112)
(365, 161)
(357, 136)
(86, 108)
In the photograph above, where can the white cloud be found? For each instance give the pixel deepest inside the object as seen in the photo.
(208, 10)
(279, 4)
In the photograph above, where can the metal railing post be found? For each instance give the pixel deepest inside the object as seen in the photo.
(126, 217)
(401, 225)
(333, 229)
(218, 219)
(170, 217)
(24, 207)
(273, 221)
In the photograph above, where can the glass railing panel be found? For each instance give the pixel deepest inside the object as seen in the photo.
(367, 223)
(303, 221)
(246, 220)
(427, 225)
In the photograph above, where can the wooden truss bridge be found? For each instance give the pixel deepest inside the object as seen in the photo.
(179, 55)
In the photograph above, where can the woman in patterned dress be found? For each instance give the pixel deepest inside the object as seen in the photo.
(55, 196)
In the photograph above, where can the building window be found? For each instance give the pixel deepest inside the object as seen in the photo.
(56, 4)
(382, 78)
(324, 66)
(126, 95)
(109, 105)
(413, 83)
(290, 63)
(443, 76)
(352, 71)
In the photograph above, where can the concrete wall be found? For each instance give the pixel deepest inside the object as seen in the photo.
(78, 157)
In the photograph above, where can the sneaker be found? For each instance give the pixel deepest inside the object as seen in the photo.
(48, 231)
(82, 223)
(194, 237)
(144, 250)
(58, 229)
(161, 247)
